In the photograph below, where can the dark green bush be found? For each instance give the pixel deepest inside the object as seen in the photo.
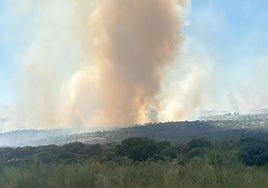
(253, 151)
(140, 149)
(198, 143)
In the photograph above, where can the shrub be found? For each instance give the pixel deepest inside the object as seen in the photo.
(253, 151)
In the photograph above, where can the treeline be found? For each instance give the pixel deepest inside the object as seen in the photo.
(175, 132)
(138, 162)
(246, 150)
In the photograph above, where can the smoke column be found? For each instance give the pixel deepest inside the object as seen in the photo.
(129, 42)
(110, 63)
(93, 63)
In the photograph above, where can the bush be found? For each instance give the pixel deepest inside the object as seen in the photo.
(253, 151)
(198, 143)
(140, 149)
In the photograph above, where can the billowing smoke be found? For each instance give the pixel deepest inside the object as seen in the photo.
(185, 83)
(130, 43)
(91, 63)
(118, 62)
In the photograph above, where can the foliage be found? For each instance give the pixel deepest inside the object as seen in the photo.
(138, 162)
(254, 151)
(140, 149)
(195, 174)
(174, 132)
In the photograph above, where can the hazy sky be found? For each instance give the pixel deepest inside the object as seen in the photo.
(232, 33)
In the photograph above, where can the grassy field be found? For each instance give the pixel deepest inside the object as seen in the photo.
(215, 165)
(148, 174)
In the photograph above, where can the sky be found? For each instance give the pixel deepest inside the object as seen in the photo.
(234, 34)
(231, 35)
(233, 31)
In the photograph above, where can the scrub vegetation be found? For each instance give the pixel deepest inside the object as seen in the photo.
(138, 162)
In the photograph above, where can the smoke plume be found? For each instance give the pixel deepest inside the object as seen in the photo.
(119, 62)
(91, 63)
(130, 42)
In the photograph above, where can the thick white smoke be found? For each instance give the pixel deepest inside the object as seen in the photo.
(95, 63)
(117, 62)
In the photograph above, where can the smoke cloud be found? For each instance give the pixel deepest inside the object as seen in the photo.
(185, 83)
(119, 62)
(95, 62)
(130, 43)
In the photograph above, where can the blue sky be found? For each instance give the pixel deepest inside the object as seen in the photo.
(233, 33)
(6, 62)
(6, 69)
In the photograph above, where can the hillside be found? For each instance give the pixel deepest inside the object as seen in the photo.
(176, 132)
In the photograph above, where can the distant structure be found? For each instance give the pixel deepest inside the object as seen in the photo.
(261, 115)
(264, 110)
(236, 113)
